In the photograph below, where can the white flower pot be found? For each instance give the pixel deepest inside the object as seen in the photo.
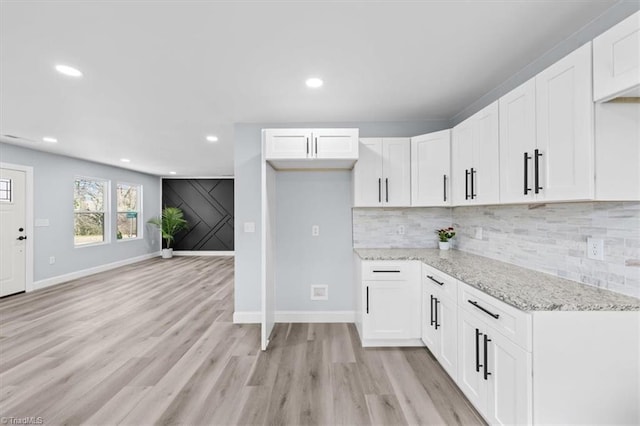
(444, 245)
(167, 253)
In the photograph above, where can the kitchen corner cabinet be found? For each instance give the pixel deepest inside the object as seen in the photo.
(546, 134)
(475, 159)
(311, 148)
(440, 318)
(390, 303)
(616, 61)
(382, 175)
(430, 169)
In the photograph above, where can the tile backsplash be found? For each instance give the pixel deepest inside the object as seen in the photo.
(378, 228)
(550, 238)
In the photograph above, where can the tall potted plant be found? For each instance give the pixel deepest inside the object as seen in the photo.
(170, 223)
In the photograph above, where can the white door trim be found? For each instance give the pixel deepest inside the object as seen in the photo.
(28, 170)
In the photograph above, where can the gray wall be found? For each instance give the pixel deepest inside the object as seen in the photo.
(304, 199)
(53, 200)
(248, 142)
(609, 18)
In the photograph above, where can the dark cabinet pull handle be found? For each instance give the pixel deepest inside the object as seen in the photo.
(21, 237)
(478, 365)
(386, 185)
(496, 316)
(473, 189)
(444, 187)
(316, 145)
(466, 184)
(433, 321)
(437, 324)
(367, 299)
(537, 155)
(386, 271)
(307, 146)
(526, 173)
(434, 280)
(486, 366)
(379, 190)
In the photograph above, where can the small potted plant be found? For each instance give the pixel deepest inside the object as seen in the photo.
(170, 223)
(445, 234)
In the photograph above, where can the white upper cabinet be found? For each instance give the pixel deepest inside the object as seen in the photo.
(517, 143)
(311, 148)
(475, 159)
(430, 169)
(382, 175)
(546, 134)
(616, 61)
(563, 162)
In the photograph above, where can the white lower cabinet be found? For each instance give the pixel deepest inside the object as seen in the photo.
(440, 318)
(390, 303)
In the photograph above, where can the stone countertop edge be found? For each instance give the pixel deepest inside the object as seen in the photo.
(522, 288)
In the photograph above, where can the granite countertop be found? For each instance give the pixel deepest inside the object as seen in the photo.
(522, 288)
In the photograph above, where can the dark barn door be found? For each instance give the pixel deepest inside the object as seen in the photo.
(208, 207)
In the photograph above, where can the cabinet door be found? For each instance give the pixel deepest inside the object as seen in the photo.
(510, 387)
(616, 60)
(430, 169)
(367, 174)
(470, 378)
(393, 310)
(287, 143)
(396, 168)
(429, 332)
(335, 143)
(447, 319)
(461, 162)
(565, 128)
(485, 176)
(517, 143)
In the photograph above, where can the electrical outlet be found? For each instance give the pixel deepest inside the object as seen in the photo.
(401, 230)
(249, 227)
(595, 248)
(315, 230)
(52, 260)
(478, 234)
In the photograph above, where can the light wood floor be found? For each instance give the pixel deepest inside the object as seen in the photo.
(154, 343)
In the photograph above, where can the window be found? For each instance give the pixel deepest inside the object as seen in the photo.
(6, 190)
(90, 201)
(129, 201)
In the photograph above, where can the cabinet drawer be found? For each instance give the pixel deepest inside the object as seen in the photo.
(390, 270)
(432, 278)
(513, 323)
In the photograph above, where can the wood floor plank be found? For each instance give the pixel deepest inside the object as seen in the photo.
(154, 343)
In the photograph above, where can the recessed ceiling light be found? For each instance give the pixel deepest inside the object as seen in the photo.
(125, 160)
(172, 173)
(50, 139)
(314, 82)
(212, 138)
(67, 70)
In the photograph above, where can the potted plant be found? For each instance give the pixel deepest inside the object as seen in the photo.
(445, 234)
(170, 223)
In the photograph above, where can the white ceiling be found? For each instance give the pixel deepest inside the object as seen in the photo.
(161, 75)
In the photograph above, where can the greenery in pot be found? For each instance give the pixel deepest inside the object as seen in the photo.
(171, 222)
(445, 234)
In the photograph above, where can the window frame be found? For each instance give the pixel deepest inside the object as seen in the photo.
(106, 237)
(140, 225)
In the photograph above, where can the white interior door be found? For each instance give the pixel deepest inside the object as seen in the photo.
(13, 225)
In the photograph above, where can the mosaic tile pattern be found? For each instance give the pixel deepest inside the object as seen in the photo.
(549, 238)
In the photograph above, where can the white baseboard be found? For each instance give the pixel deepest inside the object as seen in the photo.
(254, 317)
(381, 343)
(48, 282)
(203, 253)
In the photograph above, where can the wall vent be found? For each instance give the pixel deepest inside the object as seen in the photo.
(319, 292)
